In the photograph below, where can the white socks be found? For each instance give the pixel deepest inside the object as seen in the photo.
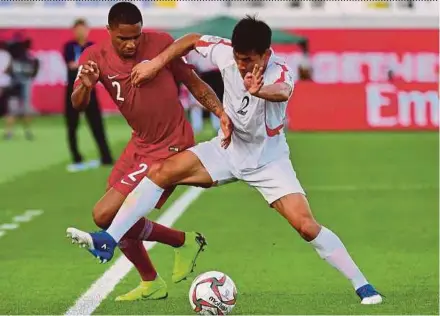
(138, 203)
(331, 248)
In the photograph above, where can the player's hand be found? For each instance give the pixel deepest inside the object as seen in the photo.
(89, 74)
(254, 81)
(143, 72)
(227, 128)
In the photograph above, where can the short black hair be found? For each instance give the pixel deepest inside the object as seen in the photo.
(124, 13)
(251, 35)
(79, 22)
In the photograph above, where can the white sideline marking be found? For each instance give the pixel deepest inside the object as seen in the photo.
(102, 287)
(25, 217)
(9, 226)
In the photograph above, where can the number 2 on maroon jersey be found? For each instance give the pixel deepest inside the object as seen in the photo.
(118, 90)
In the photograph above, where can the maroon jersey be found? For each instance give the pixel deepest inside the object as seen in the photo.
(153, 110)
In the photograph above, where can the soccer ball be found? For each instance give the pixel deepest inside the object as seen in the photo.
(212, 293)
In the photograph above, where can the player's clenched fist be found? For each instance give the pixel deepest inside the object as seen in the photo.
(88, 74)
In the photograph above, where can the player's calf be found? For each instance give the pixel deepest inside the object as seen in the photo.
(101, 219)
(295, 208)
(107, 208)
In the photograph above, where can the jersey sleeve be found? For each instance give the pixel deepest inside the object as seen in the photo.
(87, 54)
(217, 49)
(281, 73)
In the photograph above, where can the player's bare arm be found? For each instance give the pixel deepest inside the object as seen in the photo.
(147, 71)
(178, 48)
(277, 92)
(89, 75)
(207, 98)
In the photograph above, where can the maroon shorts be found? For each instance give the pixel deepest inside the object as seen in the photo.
(130, 169)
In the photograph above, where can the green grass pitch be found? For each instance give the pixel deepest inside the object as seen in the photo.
(377, 191)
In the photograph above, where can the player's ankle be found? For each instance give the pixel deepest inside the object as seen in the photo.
(149, 277)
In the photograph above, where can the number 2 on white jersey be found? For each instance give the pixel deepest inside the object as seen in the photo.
(118, 90)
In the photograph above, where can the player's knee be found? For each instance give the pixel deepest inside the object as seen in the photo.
(308, 228)
(101, 216)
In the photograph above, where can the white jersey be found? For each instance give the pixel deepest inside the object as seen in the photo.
(200, 64)
(258, 136)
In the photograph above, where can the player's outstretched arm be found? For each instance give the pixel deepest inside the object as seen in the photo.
(277, 92)
(180, 47)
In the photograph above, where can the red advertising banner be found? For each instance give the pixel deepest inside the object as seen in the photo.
(350, 72)
(384, 106)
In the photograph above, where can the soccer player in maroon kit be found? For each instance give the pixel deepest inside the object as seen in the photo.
(160, 130)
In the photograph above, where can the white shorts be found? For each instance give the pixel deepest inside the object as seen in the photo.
(273, 180)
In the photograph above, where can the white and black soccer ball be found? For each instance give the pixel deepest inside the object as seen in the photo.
(213, 293)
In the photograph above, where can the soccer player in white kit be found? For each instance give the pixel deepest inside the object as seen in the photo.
(258, 86)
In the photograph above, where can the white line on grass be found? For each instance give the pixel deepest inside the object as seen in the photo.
(25, 217)
(102, 287)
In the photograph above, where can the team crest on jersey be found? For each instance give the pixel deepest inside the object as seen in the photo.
(213, 39)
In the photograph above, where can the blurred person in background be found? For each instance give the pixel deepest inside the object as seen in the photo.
(23, 69)
(72, 51)
(305, 71)
(5, 78)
